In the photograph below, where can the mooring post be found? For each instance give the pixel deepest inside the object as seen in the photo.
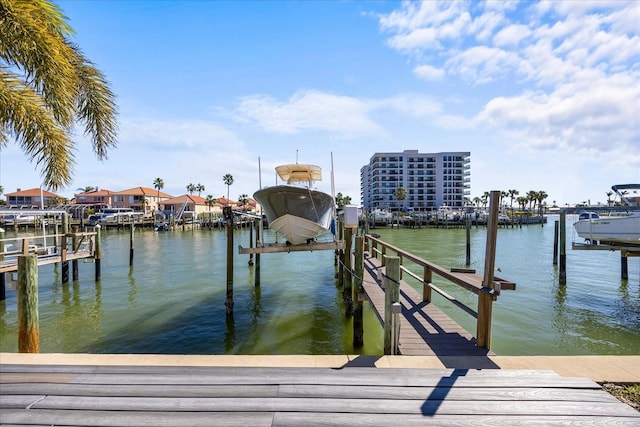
(251, 223)
(97, 254)
(28, 323)
(488, 292)
(228, 216)
(3, 283)
(555, 242)
(63, 248)
(358, 293)
(346, 292)
(74, 263)
(624, 266)
(391, 295)
(256, 273)
(563, 249)
(131, 246)
(468, 230)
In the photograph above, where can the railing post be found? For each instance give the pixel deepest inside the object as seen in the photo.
(28, 323)
(391, 295)
(426, 284)
(358, 323)
(487, 293)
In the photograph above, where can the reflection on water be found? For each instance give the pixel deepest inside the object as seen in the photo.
(171, 301)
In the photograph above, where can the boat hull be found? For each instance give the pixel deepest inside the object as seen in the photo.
(625, 229)
(299, 214)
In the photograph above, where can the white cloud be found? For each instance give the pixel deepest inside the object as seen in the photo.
(511, 35)
(429, 73)
(309, 110)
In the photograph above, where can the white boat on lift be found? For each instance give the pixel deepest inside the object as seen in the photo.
(613, 230)
(295, 210)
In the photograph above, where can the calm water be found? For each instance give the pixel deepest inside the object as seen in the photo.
(172, 300)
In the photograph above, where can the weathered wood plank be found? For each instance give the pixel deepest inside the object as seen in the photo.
(135, 419)
(293, 419)
(156, 390)
(327, 405)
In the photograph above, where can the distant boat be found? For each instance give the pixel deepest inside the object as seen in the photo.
(297, 212)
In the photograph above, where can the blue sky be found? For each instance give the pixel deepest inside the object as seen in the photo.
(545, 95)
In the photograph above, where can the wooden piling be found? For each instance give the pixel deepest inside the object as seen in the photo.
(346, 292)
(468, 232)
(256, 273)
(131, 245)
(624, 266)
(391, 295)
(63, 248)
(555, 242)
(3, 283)
(74, 263)
(251, 223)
(486, 295)
(358, 291)
(229, 222)
(97, 255)
(28, 323)
(563, 249)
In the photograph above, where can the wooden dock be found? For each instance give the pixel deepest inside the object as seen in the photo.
(74, 395)
(425, 330)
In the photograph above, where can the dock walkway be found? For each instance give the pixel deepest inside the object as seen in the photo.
(425, 330)
(91, 395)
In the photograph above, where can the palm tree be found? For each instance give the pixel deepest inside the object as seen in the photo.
(191, 188)
(199, 188)
(158, 184)
(243, 199)
(512, 195)
(609, 194)
(210, 201)
(228, 180)
(46, 86)
(86, 189)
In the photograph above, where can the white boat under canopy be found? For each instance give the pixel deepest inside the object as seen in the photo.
(297, 212)
(609, 229)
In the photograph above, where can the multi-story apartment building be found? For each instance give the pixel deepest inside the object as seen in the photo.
(431, 180)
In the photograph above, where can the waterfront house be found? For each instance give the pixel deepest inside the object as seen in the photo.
(32, 198)
(189, 206)
(140, 199)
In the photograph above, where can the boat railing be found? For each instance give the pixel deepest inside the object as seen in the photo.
(465, 278)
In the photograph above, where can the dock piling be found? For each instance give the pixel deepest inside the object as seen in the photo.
(228, 216)
(391, 295)
(358, 322)
(486, 296)
(28, 322)
(98, 253)
(563, 249)
(131, 246)
(3, 283)
(74, 263)
(63, 249)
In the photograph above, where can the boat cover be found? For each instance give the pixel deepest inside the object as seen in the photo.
(299, 173)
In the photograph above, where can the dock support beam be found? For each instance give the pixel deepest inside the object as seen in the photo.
(391, 295)
(624, 266)
(358, 293)
(28, 322)
(555, 242)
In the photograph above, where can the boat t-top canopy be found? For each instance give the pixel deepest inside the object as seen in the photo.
(299, 173)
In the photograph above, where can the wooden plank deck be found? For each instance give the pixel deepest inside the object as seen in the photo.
(73, 395)
(425, 330)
